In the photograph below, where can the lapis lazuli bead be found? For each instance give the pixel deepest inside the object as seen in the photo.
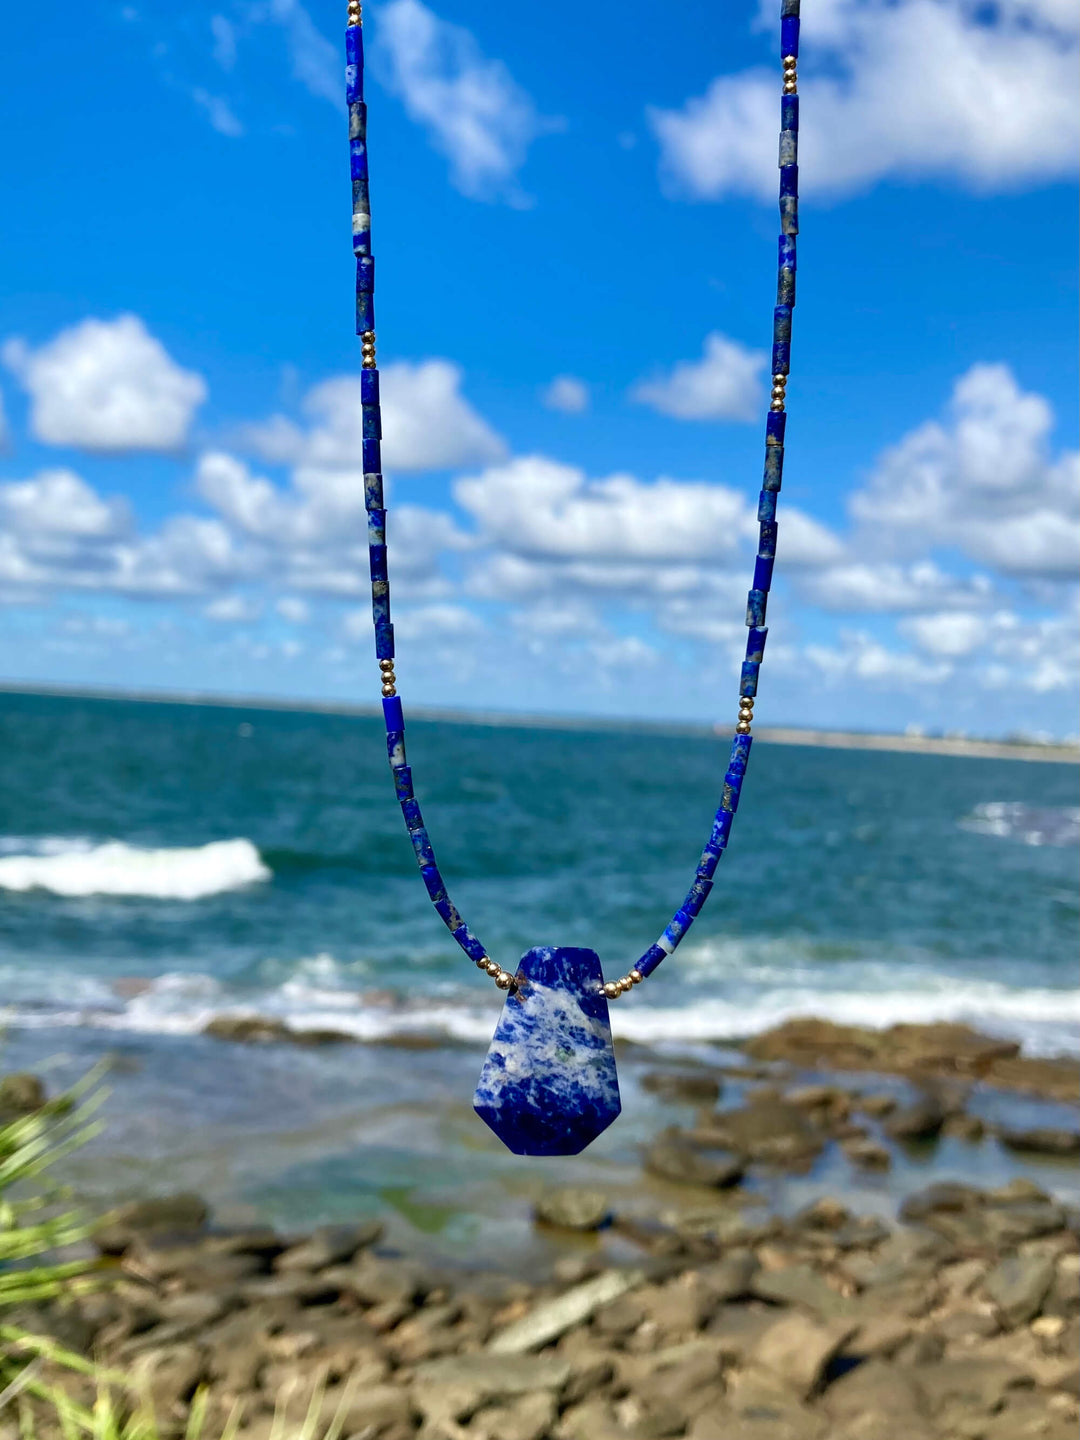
(403, 782)
(372, 455)
(373, 488)
(469, 943)
(421, 843)
(697, 895)
(414, 820)
(788, 7)
(677, 927)
(384, 640)
(767, 539)
(365, 272)
(433, 883)
(372, 422)
(787, 252)
(358, 160)
(789, 181)
(380, 602)
(721, 832)
(650, 960)
(781, 329)
(775, 425)
(365, 318)
(369, 388)
(774, 467)
(376, 527)
(789, 35)
(395, 748)
(785, 287)
(748, 677)
(549, 1086)
(756, 602)
(763, 571)
(393, 714)
(755, 643)
(781, 358)
(789, 113)
(357, 120)
(789, 214)
(766, 507)
(447, 911)
(740, 754)
(788, 149)
(354, 63)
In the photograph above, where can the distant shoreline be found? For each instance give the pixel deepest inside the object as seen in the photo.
(955, 745)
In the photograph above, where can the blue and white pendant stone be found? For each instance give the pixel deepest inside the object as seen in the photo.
(548, 1086)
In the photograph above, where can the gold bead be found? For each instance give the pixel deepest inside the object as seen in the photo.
(743, 727)
(492, 967)
(626, 984)
(386, 664)
(504, 979)
(389, 691)
(777, 405)
(790, 87)
(779, 379)
(611, 990)
(635, 977)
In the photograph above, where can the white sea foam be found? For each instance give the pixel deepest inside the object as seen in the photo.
(1033, 825)
(75, 867)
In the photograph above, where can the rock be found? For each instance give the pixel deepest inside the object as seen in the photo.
(299, 1286)
(964, 1127)
(799, 1349)
(551, 1318)
(731, 1278)
(921, 1120)
(1017, 1285)
(366, 1409)
(678, 1309)
(496, 1375)
(799, 1285)
(826, 1214)
(1043, 1141)
(162, 1214)
(877, 1106)
(862, 1232)
(945, 1196)
(592, 1419)
(1009, 1225)
(671, 1157)
(700, 1086)
(763, 1422)
(881, 1336)
(376, 1281)
(573, 1208)
(329, 1245)
(528, 1418)
(617, 1319)
(247, 1029)
(878, 1390)
(1053, 1079)
(967, 1387)
(867, 1154)
(20, 1094)
(767, 1130)
(167, 1377)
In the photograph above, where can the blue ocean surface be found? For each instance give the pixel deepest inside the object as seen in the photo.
(163, 864)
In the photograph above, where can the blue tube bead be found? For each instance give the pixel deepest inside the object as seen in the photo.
(763, 568)
(395, 748)
(361, 240)
(369, 387)
(756, 602)
(720, 833)
(650, 960)
(393, 714)
(740, 753)
(358, 159)
(766, 507)
(789, 181)
(785, 287)
(403, 783)
(357, 120)
(433, 883)
(377, 562)
(696, 895)
(788, 149)
(447, 911)
(788, 7)
(371, 418)
(384, 641)
(789, 35)
(376, 527)
(354, 63)
(421, 844)
(361, 202)
(787, 256)
(372, 456)
(748, 678)
(781, 325)
(410, 808)
(755, 643)
(781, 359)
(469, 943)
(767, 539)
(775, 425)
(373, 486)
(676, 928)
(789, 113)
(789, 214)
(365, 272)
(365, 320)
(380, 602)
(774, 467)
(729, 799)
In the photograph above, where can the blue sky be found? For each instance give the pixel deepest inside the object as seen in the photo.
(575, 224)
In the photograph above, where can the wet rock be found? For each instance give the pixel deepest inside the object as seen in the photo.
(1017, 1286)
(573, 1208)
(922, 1120)
(496, 1375)
(881, 1336)
(619, 1318)
(376, 1281)
(549, 1319)
(329, 1245)
(298, 1286)
(827, 1214)
(964, 1127)
(879, 1396)
(877, 1106)
(770, 1131)
(731, 1277)
(699, 1086)
(671, 1157)
(1065, 1144)
(944, 1197)
(799, 1349)
(968, 1387)
(592, 1419)
(168, 1376)
(862, 1232)
(764, 1420)
(247, 1029)
(20, 1094)
(367, 1409)
(867, 1154)
(679, 1308)
(528, 1418)
(1052, 1079)
(162, 1214)
(799, 1285)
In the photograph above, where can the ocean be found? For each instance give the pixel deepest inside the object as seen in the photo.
(163, 864)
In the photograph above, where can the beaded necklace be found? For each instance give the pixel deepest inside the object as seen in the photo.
(548, 1085)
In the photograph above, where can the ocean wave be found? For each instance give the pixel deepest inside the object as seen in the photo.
(76, 867)
(1046, 1020)
(1030, 824)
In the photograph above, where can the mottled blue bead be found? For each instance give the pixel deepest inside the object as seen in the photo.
(393, 714)
(410, 808)
(789, 7)
(445, 907)
(748, 678)
(697, 895)
(787, 252)
(650, 960)
(720, 833)
(756, 602)
(377, 561)
(365, 272)
(767, 539)
(395, 748)
(369, 387)
(435, 886)
(788, 149)
(361, 235)
(357, 120)
(789, 35)
(365, 318)
(789, 214)
(549, 1086)
(789, 181)
(789, 113)
(763, 568)
(421, 843)
(384, 640)
(403, 782)
(372, 456)
(354, 63)
(755, 644)
(677, 927)
(376, 527)
(380, 602)
(774, 467)
(373, 487)
(775, 425)
(469, 943)
(371, 420)
(740, 753)
(729, 798)
(785, 287)
(781, 325)
(358, 159)
(781, 359)
(766, 508)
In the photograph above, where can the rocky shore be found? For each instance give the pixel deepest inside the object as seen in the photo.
(709, 1315)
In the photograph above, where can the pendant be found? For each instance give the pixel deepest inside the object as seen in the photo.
(548, 1086)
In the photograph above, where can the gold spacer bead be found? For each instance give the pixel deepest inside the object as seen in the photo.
(743, 727)
(504, 979)
(386, 664)
(626, 984)
(790, 87)
(777, 405)
(492, 967)
(389, 691)
(611, 990)
(635, 977)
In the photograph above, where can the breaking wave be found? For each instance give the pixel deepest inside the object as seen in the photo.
(73, 867)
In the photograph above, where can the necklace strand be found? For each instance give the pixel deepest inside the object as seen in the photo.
(757, 599)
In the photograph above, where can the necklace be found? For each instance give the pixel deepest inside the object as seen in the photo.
(548, 1085)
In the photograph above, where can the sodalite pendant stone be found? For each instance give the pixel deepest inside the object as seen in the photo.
(548, 1086)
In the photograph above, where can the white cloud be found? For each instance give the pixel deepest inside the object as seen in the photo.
(473, 109)
(427, 424)
(224, 33)
(568, 394)
(983, 481)
(949, 634)
(862, 657)
(219, 112)
(293, 609)
(106, 385)
(232, 609)
(914, 89)
(882, 587)
(722, 385)
(316, 63)
(59, 503)
(5, 434)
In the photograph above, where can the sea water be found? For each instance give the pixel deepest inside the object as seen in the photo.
(163, 864)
